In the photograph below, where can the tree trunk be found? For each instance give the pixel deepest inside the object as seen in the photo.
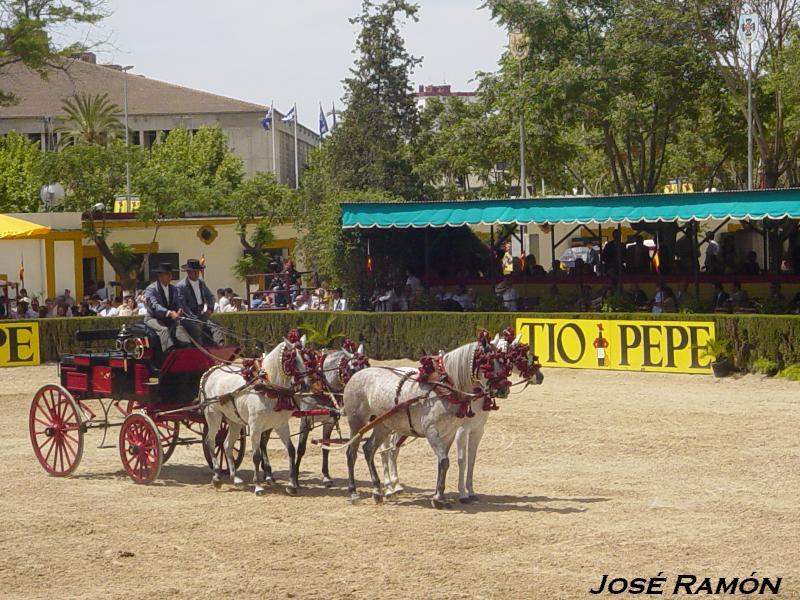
(127, 282)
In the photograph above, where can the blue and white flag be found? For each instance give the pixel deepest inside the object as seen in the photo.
(266, 122)
(323, 122)
(290, 116)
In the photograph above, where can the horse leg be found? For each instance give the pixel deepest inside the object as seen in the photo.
(463, 438)
(327, 431)
(265, 466)
(305, 428)
(379, 434)
(214, 422)
(394, 475)
(255, 442)
(441, 448)
(389, 452)
(286, 438)
(234, 431)
(474, 440)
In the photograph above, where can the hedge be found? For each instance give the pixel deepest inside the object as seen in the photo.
(409, 335)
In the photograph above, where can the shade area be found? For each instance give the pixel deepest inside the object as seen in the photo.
(12, 228)
(772, 204)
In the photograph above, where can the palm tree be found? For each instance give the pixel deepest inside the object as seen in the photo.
(90, 120)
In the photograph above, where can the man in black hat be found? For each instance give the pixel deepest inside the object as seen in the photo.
(163, 306)
(197, 304)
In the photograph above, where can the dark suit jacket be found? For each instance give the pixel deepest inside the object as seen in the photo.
(157, 305)
(188, 300)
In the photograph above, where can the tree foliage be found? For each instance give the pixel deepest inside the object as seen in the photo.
(90, 119)
(27, 29)
(20, 166)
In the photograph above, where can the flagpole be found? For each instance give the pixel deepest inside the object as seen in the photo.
(296, 165)
(274, 127)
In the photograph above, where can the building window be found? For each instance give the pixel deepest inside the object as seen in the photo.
(150, 138)
(136, 138)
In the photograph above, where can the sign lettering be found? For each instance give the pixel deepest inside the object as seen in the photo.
(19, 344)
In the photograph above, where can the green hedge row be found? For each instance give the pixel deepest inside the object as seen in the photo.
(409, 335)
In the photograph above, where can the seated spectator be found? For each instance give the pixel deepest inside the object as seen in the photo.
(42, 312)
(62, 310)
(102, 292)
(339, 303)
(719, 300)
(236, 305)
(222, 301)
(303, 300)
(413, 281)
(584, 301)
(738, 298)
(128, 308)
(442, 295)
(638, 297)
(682, 295)
(557, 270)
(532, 268)
(384, 299)
(258, 300)
(106, 309)
(23, 310)
(664, 300)
(324, 295)
(581, 269)
(464, 298)
(750, 264)
(84, 311)
(508, 295)
(35, 307)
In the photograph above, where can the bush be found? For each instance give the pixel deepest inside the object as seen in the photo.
(617, 303)
(765, 366)
(791, 372)
(488, 303)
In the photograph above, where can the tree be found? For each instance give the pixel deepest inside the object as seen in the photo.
(90, 120)
(20, 166)
(368, 150)
(26, 28)
(621, 74)
(776, 130)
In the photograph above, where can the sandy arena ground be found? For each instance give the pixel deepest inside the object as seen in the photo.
(591, 473)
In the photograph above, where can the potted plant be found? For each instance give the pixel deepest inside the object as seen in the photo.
(719, 352)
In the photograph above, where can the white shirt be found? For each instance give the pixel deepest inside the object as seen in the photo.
(222, 304)
(713, 248)
(414, 282)
(109, 311)
(196, 287)
(339, 304)
(510, 299)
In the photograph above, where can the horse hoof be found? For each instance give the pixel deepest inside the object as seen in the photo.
(327, 482)
(269, 481)
(473, 498)
(238, 483)
(292, 491)
(377, 498)
(216, 483)
(438, 504)
(464, 500)
(355, 499)
(260, 492)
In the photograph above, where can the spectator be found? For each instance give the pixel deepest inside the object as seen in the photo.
(68, 299)
(557, 270)
(35, 307)
(324, 295)
(257, 301)
(102, 291)
(719, 300)
(713, 262)
(507, 262)
(750, 264)
(339, 302)
(84, 311)
(42, 312)
(3, 309)
(236, 305)
(581, 269)
(532, 269)
(222, 301)
(290, 271)
(664, 300)
(23, 310)
(682, 295)
(129, 308)
(383, 299)
(464, 298)
(775, 292)
(638, 261)
(414, 282)
(106, 309)
(739, 298)
(607, 292)
(508, 295)
(611, 255)
(442, 295)
(638, 297)
(302, 301)
(62, 310)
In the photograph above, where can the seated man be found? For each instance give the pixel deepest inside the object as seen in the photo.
(163, 306)
(197, 305)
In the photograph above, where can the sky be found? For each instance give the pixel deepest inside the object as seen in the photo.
(298, 51)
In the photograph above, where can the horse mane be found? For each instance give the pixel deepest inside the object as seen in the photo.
(271, 364)
(330, 368)
(458, 364)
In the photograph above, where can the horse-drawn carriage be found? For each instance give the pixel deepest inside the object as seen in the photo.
(150, 396)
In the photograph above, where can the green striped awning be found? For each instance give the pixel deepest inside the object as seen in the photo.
(771, 204)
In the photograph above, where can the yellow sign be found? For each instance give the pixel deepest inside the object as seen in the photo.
(121, 205)
(19, 344)
(666, 346)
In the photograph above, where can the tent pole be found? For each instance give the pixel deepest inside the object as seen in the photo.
(620, 250)
(427, 259)
(765, 237)
(552, 245)
(695, 259)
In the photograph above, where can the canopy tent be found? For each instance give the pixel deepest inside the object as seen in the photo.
(650, 208)
(12, 228)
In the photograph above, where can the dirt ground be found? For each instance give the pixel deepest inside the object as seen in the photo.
(592, 473)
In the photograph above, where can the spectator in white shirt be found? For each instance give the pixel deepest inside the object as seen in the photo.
(106, 309)
(338, 303)
(128, 308)
(508, 294)
(303, 301)
(236, 305)
(23, 310)
(413, 281)
(464, 298)
(222, 301)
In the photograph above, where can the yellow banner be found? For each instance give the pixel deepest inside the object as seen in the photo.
(19, 344)
(666, 346)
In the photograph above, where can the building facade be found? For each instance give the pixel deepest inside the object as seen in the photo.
(154, 107)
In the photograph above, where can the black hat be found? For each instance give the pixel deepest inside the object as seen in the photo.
(192, 265)
(162, 268)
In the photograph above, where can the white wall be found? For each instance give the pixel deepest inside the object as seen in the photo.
(32, 251)
(64, 266)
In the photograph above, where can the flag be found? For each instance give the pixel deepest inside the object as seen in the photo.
(323, 122)
(203, 261)
(21, 269)
(266, 122)
(290, 116)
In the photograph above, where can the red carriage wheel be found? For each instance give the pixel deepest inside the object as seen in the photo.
(219, 448)
(55, 425)
(168, 431)
(140, 448)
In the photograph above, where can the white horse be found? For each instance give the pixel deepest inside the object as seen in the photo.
(336, 369)
(258, 406)
(470, 432)
(394, 401)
